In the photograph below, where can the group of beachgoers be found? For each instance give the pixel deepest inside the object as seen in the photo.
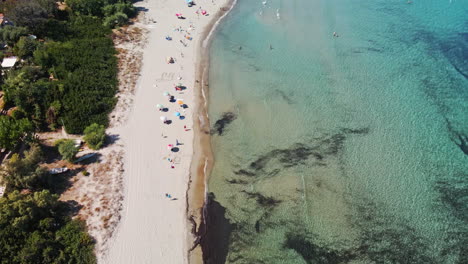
(184, 36)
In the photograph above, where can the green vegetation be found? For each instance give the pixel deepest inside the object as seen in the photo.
(12, 131)
(23, 173)
(10, 35)
(32, 14)
(25, 47)
(95, 135)
(67, 149)
(103, 8)
(35, 229)
(78, 54)
(67, 77)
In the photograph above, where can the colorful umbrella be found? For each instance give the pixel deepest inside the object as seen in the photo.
(160, 106)
(177, 114)
(163, 118)
(166, 94)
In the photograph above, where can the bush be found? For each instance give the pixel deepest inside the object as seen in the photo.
(86, 7)
(117, 19)
(122, 7)
(12, 131)
(20, 173)
(30, 13)
(95, 135)
(11, 35)
(28, 89)
(18, 114)
(67, 149)
(25, 47)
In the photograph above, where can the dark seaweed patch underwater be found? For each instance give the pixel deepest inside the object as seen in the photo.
(396, 193)
(221, 124)
(382, 238)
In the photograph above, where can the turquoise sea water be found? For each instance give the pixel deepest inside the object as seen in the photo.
(349, 149)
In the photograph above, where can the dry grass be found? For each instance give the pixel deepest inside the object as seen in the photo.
(100, 195)
(129, 42)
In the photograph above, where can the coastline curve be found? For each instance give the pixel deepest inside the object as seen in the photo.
(203, 160)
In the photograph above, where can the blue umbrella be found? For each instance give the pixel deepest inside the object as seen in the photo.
(177, 114)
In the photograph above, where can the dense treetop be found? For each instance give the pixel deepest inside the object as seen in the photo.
(67, 76)
(33, 229)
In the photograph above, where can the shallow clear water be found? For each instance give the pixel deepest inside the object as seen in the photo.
(349, 149)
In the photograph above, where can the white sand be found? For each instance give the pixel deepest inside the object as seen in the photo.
(153, 228)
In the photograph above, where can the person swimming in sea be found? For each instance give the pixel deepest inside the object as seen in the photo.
(335, 34)
(271, 47)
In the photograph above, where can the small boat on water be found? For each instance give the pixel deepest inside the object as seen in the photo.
(58, 170)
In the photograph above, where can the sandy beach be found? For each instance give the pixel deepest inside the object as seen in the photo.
(157, 156)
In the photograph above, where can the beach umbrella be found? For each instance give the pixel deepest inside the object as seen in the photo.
(180, 101)
(166, 94)
(170, 146)
(177, 114)
(178, 14)
(163, 118)
(160, 106)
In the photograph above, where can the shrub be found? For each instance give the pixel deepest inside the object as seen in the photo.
(30, 13)
(67, 149)
(95, 135)
(19, 173)
(12, 131)
(11, 35)
(25, 47)
(117, 19)
(18, 114)
(122, 7)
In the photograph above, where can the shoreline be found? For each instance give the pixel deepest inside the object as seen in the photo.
(202, 159)
(153, 227)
